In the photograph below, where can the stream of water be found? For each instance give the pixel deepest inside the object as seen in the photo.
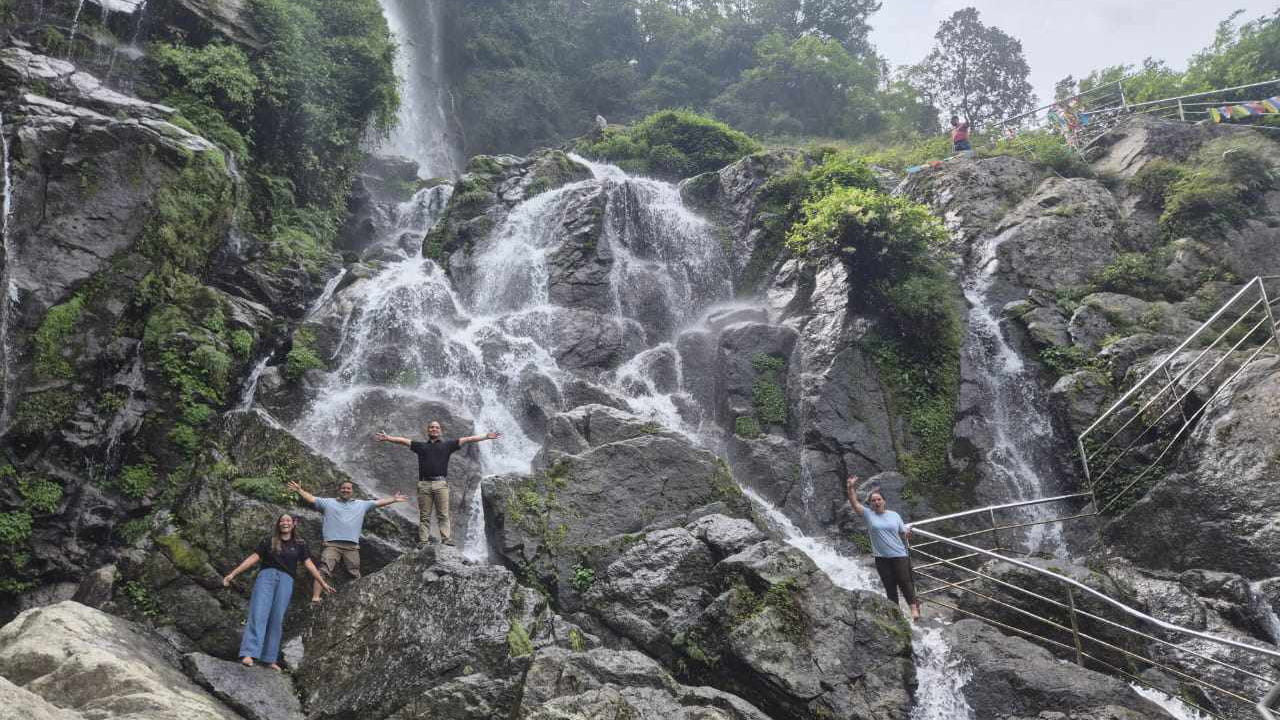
(8, 299)
(1020, 432)
(423, 130)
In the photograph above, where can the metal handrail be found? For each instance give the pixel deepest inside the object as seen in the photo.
(1079, 637)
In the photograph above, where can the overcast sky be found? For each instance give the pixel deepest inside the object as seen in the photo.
(1067, 37)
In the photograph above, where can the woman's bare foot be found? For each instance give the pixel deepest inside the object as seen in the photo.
(315, 600)
(915, 612)
(246, 661)
(275, 667)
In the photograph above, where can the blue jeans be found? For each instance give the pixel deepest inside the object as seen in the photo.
(270, 598)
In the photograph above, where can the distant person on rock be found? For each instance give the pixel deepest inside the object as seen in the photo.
(343, 522)
(433, 476)
(960, 134)
(280, 555)
(888, 545)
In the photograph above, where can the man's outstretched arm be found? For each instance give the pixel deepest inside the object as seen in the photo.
(295, 486)
(383, 502)
(383, 437)
(478, 438)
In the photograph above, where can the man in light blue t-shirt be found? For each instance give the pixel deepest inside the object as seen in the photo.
(343, 522)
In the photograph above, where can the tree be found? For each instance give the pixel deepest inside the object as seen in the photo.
(977, 71)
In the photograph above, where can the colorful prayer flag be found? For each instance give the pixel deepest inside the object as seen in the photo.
(1213, 113)
(1239, 111)
(1272, 105)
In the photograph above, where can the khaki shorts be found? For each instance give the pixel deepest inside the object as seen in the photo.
(334, 555)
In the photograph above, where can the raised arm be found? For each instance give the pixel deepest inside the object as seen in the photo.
(383, 502)
(850, 489)
(478, 438)
(248, 563)
(296, 486)
(383, 437)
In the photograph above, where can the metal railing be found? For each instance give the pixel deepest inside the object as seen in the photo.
(1154, 416)
(1074, 625)
(1125, 446)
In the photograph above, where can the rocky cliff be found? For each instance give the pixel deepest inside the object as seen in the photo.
(663, 529)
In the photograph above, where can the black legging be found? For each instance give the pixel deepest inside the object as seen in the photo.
(895, 572)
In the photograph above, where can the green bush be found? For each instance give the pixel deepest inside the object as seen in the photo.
(1136, 274)
(746, 427)
(1153, 180)
(583, 578)
(887, 237)
(767, 394)
(15, 527)
(268, 489)
(136, 481)
(39, 494)
(52, 339)
(301, 357)
(1039, 146)
(672, 143)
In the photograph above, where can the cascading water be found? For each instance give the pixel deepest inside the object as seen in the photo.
(423, 129)
(6, 283)
(940, 679)
(75, 24)
(408, 334)
(1019, 430)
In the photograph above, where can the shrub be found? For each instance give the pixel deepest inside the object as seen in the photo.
(1154, 179)
(52, 339)
(1043, 147)
(672, 143)
(887, 237)
(268, 489)
(15, 527)
(136, 481)
(746, 427)
(301, 357)
(583, 578)
(1135, 274)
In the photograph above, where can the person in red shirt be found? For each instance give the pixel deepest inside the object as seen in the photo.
(960, 134)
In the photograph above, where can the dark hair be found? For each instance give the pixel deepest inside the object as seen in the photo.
(276, 543)
(347, 482)
(875, 491)
(955, 118)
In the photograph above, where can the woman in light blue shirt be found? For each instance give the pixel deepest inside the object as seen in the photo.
(888, 545)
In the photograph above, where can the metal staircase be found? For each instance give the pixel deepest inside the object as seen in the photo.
(974, 555)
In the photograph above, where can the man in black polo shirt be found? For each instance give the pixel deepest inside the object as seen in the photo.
(433, 476)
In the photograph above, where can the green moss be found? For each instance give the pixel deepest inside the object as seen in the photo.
(268, 489)
(15, 527)
(52, 340)
(136, 481)
(577, 642)
(143, 599)
(39, 494)
(242, 343)
(583, 578)
(44, 411)
(722, 483)
(1066, 360)
(302, 357)
(746, 426)
(518, 642)
(1152, 182)
(131, 531)
(1140, 275)
(780, 600)
(185, 556)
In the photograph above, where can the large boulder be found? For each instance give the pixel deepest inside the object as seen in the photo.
(84, 660)
(431, 635)
(780, 635)
(1010, 677)
(255, 694)
(1216, 509)
(597, 459)
(564, 685)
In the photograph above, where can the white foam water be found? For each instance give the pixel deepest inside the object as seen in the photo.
(75, 24)
(422, 130)
(1020, 432)
(9, 297)
(1175, 707)
(940, 679)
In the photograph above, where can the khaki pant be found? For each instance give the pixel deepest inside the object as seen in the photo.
(433, 494)
(333, 555)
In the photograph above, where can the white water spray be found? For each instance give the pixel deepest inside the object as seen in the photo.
(845, 572)
(75, 23)
(9, 297)
(423, 129)
(1018, 427)
(940, 679)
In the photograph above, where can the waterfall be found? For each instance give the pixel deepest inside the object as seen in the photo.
(75, 23)
(846, 572)
(251, 384)
(940, 679)
(423, 130)
(1019, 429)
(9, 297)
(408, 336)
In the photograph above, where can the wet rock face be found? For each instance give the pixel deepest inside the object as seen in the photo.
(1012, 678)
(100, 666)
(255, 694)
(1217, 513)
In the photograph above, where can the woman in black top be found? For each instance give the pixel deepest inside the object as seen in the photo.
(280, 555)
